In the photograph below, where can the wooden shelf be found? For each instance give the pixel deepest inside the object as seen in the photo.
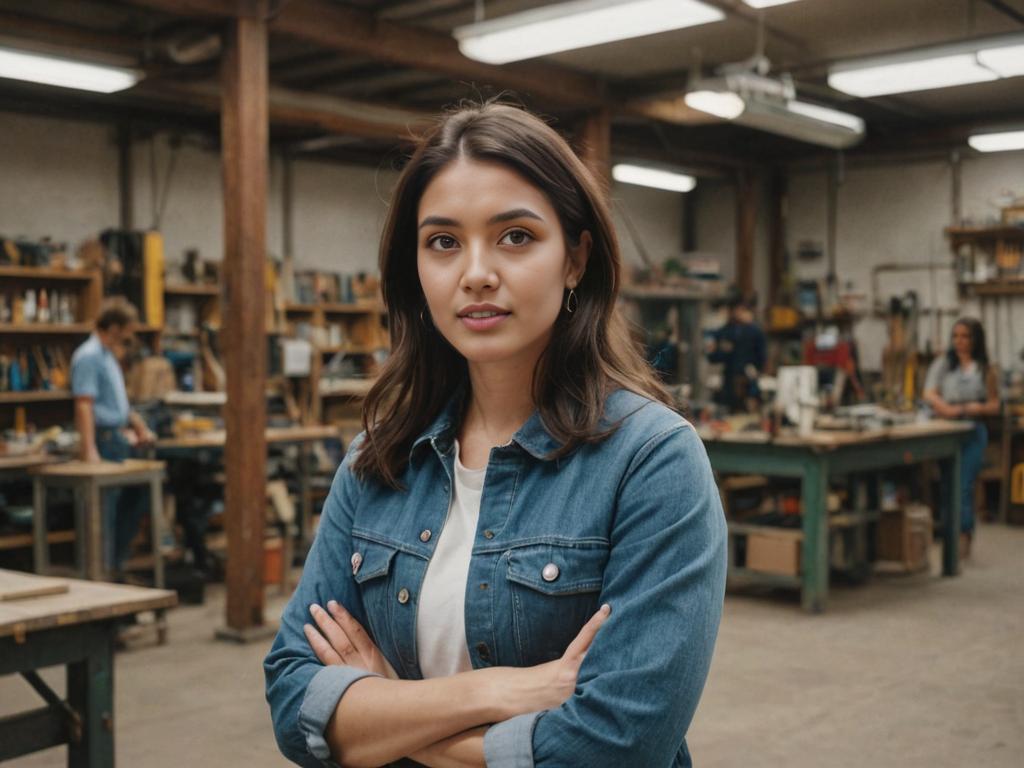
(300, 309)
(348, 350)
(996, 288)
(35, 396)
(48, 273)
(348, 388)
(24, 540)
(190, 289)
(53, 329)
(985, 233)
(670, 292)
(352, 309)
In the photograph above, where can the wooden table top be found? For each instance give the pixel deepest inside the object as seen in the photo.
(26, 461)
(99, 469)
(83, 601)
(218, 438)
(840, 438)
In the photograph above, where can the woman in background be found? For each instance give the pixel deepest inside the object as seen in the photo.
(962, 384)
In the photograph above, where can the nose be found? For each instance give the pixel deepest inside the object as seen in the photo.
(478, 273)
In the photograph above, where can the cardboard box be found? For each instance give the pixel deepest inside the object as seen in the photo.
(774, 553)
(905, 537)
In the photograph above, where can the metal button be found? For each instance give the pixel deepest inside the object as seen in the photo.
(550, 572)
(425, 536)
(403, 596)
(357, 560)
(488, 534)
(483, 586)
(483, 651)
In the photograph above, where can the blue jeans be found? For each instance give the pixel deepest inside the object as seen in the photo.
(970, 465)
(123, 508)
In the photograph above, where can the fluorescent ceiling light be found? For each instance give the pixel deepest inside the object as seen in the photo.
(578, 24)
(834, 116)
(653, 177)
(67, 73)
(766, 3)
(723, 104)
(919, 75)
(997, 142)
(1006, 62)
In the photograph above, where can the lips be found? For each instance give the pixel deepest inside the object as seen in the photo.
(482, 311)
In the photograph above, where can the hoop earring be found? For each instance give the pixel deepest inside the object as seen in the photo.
(572, 302)
(424, 321)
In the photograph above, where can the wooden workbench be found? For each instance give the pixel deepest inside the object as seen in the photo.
(67, 622)
(814, 458)
(168, 448)
(88, 480)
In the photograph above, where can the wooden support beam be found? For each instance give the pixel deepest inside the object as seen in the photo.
(746, 230)
(778, 211)
(244, 129)
(348, 29)
(595, 145)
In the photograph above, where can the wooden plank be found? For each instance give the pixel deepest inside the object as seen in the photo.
(83, 602)
(47, 274)
(191, 289)
(595, 140)
(51, 329)
(19, 586)
(244, 129)
(273, 435)
(106, 469)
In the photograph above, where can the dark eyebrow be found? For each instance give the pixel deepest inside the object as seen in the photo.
(515, 213)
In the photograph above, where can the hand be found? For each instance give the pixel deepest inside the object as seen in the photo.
(549, 685)
(145, 436)
(91, 455)
(343, 641)
(971, 409)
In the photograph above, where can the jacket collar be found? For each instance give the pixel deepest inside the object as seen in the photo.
(533, 437)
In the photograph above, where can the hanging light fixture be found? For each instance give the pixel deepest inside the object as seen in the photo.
(64, 72)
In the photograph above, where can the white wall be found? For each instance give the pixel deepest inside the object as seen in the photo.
(657, 218)
(59, 178)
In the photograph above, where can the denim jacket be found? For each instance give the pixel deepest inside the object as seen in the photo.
(634, 521)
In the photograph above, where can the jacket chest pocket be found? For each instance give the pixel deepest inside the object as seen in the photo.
(372, 566)
(555, 590)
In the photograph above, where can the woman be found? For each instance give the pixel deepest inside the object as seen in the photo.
(962, 384)
(519, 468)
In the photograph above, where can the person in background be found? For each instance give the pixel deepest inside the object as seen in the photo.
(740, 346)
(962, 384)
(107, 427)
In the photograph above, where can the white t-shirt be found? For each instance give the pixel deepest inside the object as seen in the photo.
(441, 617)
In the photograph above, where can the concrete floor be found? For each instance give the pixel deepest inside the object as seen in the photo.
(905, 672)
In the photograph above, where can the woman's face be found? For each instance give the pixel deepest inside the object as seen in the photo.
(962, 340)
(493, 262)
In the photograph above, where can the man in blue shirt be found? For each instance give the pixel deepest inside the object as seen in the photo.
(108, 429)
(740, 346)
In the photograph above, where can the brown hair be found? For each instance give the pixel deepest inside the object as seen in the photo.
(116, 310)
(590, 353)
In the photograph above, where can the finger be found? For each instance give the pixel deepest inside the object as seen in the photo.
(320, 646)
(582, 641)
(335, 635)
(353, 629)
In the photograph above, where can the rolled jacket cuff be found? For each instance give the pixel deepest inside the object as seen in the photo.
(509, 744)
(322, 696)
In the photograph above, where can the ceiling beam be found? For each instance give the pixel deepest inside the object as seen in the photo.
(52, 35)
(359, 32)
(300, 110)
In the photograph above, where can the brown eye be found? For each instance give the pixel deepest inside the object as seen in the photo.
(442, 243)
(517, 237)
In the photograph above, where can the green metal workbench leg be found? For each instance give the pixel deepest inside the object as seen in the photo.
(949, 500)
(814, 489)
(91, 695)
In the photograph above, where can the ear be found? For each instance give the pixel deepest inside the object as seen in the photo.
(576, 263)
